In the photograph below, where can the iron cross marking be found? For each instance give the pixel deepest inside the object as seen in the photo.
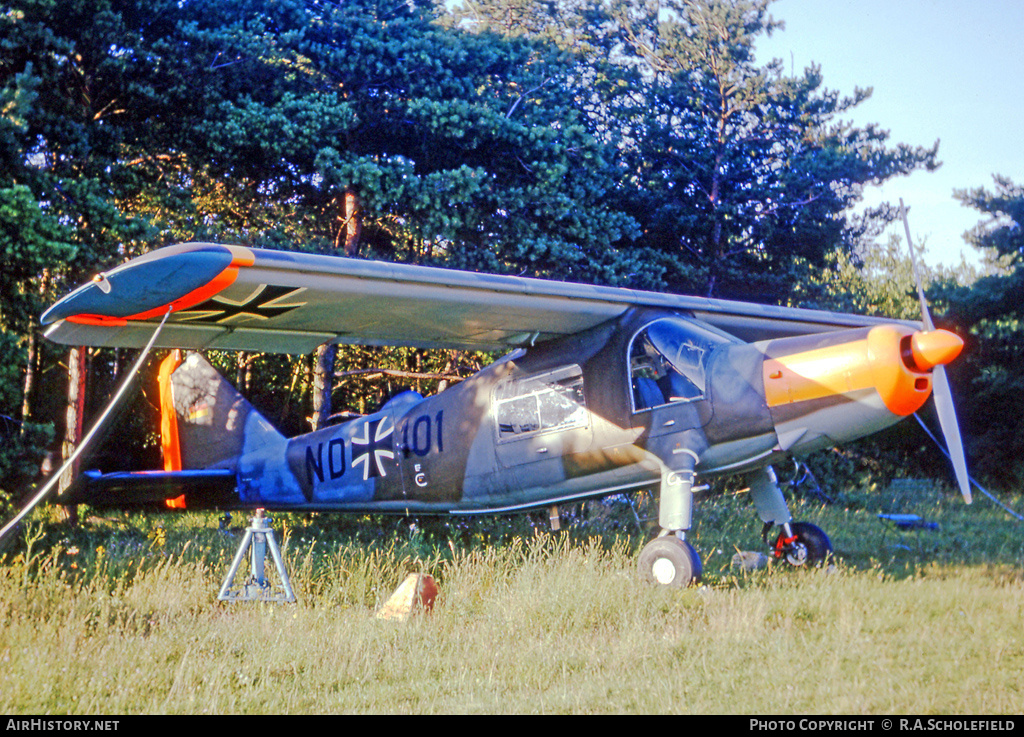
(376, 439)
(263, 303)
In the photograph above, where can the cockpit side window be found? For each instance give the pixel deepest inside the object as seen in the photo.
(667, 363)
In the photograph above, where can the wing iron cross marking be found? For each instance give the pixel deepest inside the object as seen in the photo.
(262, 303)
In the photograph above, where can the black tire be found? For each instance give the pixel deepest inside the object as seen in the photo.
(815, 542)
(669, 561)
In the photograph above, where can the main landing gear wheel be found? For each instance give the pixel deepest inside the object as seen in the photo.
(669, 561)
(809, 546)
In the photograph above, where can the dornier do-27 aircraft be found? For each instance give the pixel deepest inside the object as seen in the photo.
(605, 390)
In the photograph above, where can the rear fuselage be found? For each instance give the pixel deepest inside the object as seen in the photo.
(584, 416)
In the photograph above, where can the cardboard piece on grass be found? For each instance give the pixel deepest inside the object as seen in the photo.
(417, 592)
(748, 560)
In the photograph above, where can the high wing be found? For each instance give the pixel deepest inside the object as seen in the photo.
(238, 298)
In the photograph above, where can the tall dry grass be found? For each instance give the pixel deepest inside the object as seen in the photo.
(120, 617)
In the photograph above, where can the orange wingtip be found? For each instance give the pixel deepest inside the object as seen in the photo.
(240, 257)
(102, 320)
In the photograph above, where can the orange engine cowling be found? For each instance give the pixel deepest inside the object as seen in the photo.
(896, 361)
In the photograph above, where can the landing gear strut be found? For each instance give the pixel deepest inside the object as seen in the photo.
(669, 560)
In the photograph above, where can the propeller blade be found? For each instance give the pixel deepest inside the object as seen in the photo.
(932, 349)
(926, 316)
(951, 429)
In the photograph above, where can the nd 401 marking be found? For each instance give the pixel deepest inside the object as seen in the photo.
(419, 436)
(423, 434)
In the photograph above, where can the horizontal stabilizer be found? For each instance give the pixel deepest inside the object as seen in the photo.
(202, 489)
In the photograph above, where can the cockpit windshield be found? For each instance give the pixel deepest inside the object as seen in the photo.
(668, 362)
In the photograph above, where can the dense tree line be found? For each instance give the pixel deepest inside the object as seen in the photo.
(991, 313)
(624, 142)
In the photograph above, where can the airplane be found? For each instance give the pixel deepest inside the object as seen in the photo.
(603, 391)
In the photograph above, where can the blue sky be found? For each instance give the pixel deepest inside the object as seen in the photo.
(940, 69)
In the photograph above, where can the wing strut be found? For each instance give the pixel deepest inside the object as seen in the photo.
(114, 401)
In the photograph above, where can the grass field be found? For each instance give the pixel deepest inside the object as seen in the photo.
(120, 616)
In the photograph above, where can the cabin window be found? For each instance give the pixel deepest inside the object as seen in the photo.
(667, 362)
(543, 403)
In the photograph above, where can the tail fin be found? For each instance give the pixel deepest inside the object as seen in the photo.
(205, 422)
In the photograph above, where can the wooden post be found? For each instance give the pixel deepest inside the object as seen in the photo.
(73, 418)
(352, 223)
(323, 384)
(30, 378)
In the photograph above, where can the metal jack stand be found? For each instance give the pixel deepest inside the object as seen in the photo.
(257, 588)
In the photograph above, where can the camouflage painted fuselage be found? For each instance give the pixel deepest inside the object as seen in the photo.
(560, 421)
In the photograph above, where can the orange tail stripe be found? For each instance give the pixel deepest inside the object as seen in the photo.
(169, 440)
